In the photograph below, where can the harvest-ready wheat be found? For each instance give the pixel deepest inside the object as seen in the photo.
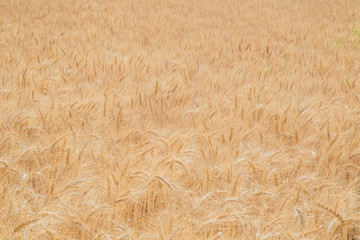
(179, 120)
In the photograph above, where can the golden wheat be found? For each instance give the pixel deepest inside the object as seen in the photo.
(179, 119)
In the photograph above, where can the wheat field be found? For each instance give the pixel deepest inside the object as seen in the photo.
(184, 119)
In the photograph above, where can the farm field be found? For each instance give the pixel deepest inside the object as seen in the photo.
(184, 119)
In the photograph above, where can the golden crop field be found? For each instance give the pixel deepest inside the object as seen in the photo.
(192, 119)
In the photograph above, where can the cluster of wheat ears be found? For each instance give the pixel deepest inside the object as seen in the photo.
(193, 119)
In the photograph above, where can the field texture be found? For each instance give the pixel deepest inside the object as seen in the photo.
(176, 119)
